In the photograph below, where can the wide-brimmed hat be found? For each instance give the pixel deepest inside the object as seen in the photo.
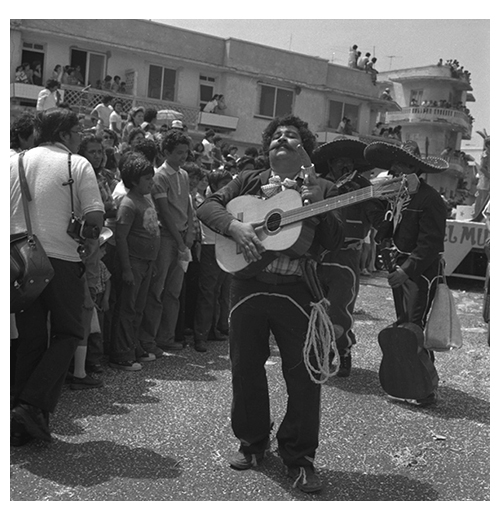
(383, 155)
(105, 235)
(340, 147)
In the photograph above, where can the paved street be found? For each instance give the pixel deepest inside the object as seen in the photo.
(163, 434)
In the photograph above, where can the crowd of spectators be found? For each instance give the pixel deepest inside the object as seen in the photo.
(457, 70)
(442, 103)
(382, 130)
(31, 73)
(121, 153)
(366, 62)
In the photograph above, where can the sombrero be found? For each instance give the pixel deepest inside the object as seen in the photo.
(383, 155)
(340, 147)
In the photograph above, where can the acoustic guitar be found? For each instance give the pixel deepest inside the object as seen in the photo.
(283, 224)
(406, 370)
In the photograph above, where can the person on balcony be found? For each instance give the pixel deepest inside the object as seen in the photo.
(212, 104)
(57, 73)
(37, 73)
(353, 57)
(21, 75)
(49, 96)
(362, 61)
(115, 86)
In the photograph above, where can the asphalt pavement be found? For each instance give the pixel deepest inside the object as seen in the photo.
(164, 433)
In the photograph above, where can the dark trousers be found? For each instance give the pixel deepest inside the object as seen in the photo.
(43, 356)
(339, 276)
(412, 299)
(257, 309)
(210, 282)
(128, 312)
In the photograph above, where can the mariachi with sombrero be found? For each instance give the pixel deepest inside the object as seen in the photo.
(417, 237)
(342, 162)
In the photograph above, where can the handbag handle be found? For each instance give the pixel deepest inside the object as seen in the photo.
(25, 194)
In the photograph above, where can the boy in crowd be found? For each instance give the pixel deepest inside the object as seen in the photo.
(137, 246)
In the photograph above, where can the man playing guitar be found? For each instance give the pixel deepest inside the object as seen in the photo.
(275, 299)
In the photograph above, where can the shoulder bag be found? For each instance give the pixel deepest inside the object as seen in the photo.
(30, 268)
(442, 331)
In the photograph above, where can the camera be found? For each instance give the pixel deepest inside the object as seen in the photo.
(79, 230)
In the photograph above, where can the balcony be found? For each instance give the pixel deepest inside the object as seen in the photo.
(456, 119)
(217, 121)
(83, 100)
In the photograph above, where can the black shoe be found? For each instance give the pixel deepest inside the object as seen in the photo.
(93, 368)
(84, 383)
(33, 420)
(243, 461)
(345, 366)
(305, 479)
(200, 346)
(18, 434)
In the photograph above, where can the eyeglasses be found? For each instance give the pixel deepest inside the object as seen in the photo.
(79, 132)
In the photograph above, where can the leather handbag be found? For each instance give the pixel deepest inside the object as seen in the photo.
(30, 268)
(442, 331)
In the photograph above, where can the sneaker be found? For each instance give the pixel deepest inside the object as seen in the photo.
(83, 383)
(128, 366)
(430, 400)
(345, 366)
(243, 461)
(305, 479)
(147, 356)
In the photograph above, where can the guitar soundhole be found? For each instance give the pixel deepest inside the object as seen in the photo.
(273, 222)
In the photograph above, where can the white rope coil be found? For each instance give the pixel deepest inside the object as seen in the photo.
(320, 343)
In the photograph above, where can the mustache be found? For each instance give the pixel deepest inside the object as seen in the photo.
(282, 143)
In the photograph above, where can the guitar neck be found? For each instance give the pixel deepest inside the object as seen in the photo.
(323, 206)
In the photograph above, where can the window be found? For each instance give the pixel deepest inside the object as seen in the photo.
(92, 66)
(161, 84)
(275, 102)
(207, 90)
(339, 110)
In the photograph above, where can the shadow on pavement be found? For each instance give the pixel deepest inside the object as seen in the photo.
(453, 403)
(349, 486)
(92, 463)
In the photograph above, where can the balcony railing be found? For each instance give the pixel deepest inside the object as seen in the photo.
(83, 101)
(456, 118)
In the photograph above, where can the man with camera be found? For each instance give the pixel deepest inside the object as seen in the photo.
(57, 181)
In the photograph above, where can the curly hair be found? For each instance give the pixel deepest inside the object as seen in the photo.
(172, 139)
(22, 127)
(133, 167)
(308, 138)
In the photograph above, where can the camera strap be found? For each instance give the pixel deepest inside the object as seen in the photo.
(70, 183)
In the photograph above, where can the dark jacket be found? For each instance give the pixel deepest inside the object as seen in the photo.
(420, 234)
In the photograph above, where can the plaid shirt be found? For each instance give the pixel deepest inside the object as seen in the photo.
(284, 265)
